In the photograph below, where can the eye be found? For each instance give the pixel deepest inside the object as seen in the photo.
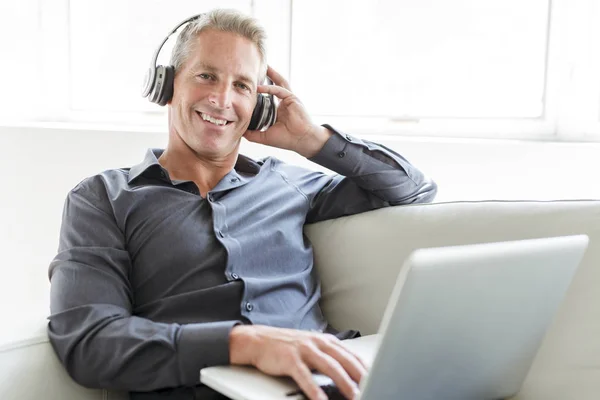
(243, 86)
(204, 76)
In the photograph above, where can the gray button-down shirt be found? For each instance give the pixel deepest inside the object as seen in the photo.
(150, 277)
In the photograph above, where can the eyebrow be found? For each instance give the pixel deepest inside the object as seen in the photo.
(242, 78)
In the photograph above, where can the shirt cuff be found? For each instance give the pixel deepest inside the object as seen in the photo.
(203, 345)
(341, 153)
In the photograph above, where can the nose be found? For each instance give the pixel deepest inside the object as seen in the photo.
(220, 96)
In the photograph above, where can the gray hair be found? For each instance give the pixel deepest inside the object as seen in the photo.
(225, 20)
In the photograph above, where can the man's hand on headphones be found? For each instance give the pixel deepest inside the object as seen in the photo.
(293, 129)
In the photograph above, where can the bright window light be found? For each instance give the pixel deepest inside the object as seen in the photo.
(419, 59)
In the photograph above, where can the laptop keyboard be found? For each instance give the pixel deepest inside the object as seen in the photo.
(330, 389)
(332, 392)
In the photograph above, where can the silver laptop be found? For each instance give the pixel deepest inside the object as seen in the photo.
(463, 322)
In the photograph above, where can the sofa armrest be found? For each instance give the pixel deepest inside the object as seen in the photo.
(30, 370)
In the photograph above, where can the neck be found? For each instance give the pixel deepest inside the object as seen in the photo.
(183, 163)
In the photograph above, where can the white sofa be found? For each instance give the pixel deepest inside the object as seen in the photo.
(359, 258)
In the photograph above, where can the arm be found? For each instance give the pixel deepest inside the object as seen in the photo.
(370, 176)
(92, 329)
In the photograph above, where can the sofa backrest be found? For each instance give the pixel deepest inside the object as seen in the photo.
(359, 257)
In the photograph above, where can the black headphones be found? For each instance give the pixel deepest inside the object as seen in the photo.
(158, 87)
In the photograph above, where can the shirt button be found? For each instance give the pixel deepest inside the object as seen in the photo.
(249, 306)
(349, 138)
(163, 174)
(342, 154)
(221, 234)
(234, 276)
(232, 180)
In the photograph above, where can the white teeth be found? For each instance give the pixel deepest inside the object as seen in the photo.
(213, 120)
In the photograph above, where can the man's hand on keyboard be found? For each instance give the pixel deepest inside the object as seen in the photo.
(294, 353)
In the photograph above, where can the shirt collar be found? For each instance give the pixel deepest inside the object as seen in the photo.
(151, 165)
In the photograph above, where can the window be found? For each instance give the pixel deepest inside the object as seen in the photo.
(20, 67)
(494, 68)
(576, 64)
(422, 59)
(111, 43)
(95, 54)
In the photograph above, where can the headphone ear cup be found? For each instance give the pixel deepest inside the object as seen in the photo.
(167, 88)
(257, 114)
(159, 83)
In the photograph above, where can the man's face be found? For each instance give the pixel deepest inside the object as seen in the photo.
(215, 93)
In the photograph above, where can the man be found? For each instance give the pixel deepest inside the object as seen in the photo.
(196, 256)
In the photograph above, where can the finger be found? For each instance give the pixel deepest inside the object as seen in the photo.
(281, 92)
(348, 360)
(329, 366)
(341, 343)
(277, 78)
(351, 362)
(304, 379)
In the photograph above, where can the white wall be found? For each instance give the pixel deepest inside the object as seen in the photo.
(39, 166)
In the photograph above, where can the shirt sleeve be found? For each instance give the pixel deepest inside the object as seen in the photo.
(92, 329)
(369, 176)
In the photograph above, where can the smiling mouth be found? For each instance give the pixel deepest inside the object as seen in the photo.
(213, 120)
